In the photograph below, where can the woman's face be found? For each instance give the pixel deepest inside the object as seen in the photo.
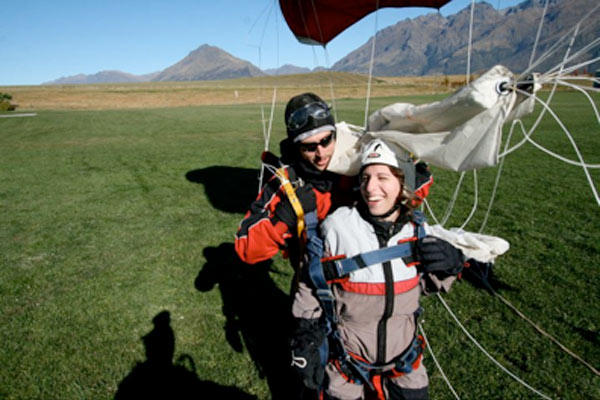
(380, 189)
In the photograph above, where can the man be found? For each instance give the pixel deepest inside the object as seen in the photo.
(270, 224)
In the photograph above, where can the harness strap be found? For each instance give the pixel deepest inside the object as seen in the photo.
(339, 268)
(399, 365)
(314, 248)
(294, 201)
(356, 370)
(410, 360)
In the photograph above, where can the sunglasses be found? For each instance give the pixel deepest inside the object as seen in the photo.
(312, 147)
(300, 118)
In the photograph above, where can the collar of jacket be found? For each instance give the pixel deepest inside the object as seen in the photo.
(384, 229)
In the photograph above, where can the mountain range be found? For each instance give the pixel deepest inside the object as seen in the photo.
(427, 45)
(432, 44)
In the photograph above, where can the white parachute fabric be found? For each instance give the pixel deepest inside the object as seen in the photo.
(460, 133)
(474, 245)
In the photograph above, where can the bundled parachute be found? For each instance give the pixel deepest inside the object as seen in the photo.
(462, 132)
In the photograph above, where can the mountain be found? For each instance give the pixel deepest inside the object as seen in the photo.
(427, 45)
(208, 63)
(432, 44)
(102, 77)
(287, 69)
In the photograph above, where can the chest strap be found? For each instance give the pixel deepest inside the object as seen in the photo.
(339, 267)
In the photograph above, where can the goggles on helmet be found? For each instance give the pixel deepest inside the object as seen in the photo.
(318, 111)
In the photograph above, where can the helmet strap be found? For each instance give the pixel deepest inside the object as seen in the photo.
(389, 212)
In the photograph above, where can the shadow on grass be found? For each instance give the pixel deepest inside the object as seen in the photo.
(158, 377)
(481, 276)
(593, 337)
(228, 189)
(257, 312)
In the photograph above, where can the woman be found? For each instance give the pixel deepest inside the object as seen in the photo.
(376, 306)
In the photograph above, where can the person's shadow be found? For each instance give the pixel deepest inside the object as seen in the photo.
(228, 189)
(258, 314)
(158, 377)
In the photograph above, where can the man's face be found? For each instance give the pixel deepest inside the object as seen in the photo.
(318, 149)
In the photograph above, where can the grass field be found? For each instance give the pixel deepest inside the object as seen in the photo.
(112, 217)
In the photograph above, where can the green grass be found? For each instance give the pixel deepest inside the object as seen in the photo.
(108, 217)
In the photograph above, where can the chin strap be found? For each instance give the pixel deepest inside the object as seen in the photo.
(388, 213)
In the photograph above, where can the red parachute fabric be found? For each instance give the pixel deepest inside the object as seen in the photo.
(319, 21)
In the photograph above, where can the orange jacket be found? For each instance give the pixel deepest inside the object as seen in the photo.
(261, 235)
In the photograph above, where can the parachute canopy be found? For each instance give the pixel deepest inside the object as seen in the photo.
(319, 21)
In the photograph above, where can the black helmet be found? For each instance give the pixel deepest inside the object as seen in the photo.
(307, 115)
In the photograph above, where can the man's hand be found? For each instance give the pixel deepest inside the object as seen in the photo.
(285, 212)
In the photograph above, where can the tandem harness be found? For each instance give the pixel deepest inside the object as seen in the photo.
(355, 369)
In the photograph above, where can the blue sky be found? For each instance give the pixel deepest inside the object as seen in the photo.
(45, 40)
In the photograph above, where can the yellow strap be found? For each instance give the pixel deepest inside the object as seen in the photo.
(294, 201)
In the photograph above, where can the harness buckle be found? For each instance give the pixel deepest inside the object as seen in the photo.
(325, 294)
(339, 268)
(407, 361)
(358, 372)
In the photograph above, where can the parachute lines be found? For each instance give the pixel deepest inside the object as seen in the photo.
(469, 45)
(437, 364)
(485, 352)
(371, 61)
(538, 34)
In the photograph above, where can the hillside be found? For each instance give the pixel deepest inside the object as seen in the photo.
(433, 44)
(102, 77)
(208, 63)
(287, 69)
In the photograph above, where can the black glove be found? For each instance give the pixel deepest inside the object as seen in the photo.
(285, 212)
(307, 345)
(437, 255)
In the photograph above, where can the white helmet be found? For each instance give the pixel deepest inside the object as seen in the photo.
(378, 151)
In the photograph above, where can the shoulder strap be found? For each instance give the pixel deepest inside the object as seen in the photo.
(418, 219)
(294, 201)
(285, 176)
(314, 248)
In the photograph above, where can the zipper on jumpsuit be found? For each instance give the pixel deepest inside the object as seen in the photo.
(389, 302)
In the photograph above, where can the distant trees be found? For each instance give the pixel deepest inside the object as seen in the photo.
(5, 104)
